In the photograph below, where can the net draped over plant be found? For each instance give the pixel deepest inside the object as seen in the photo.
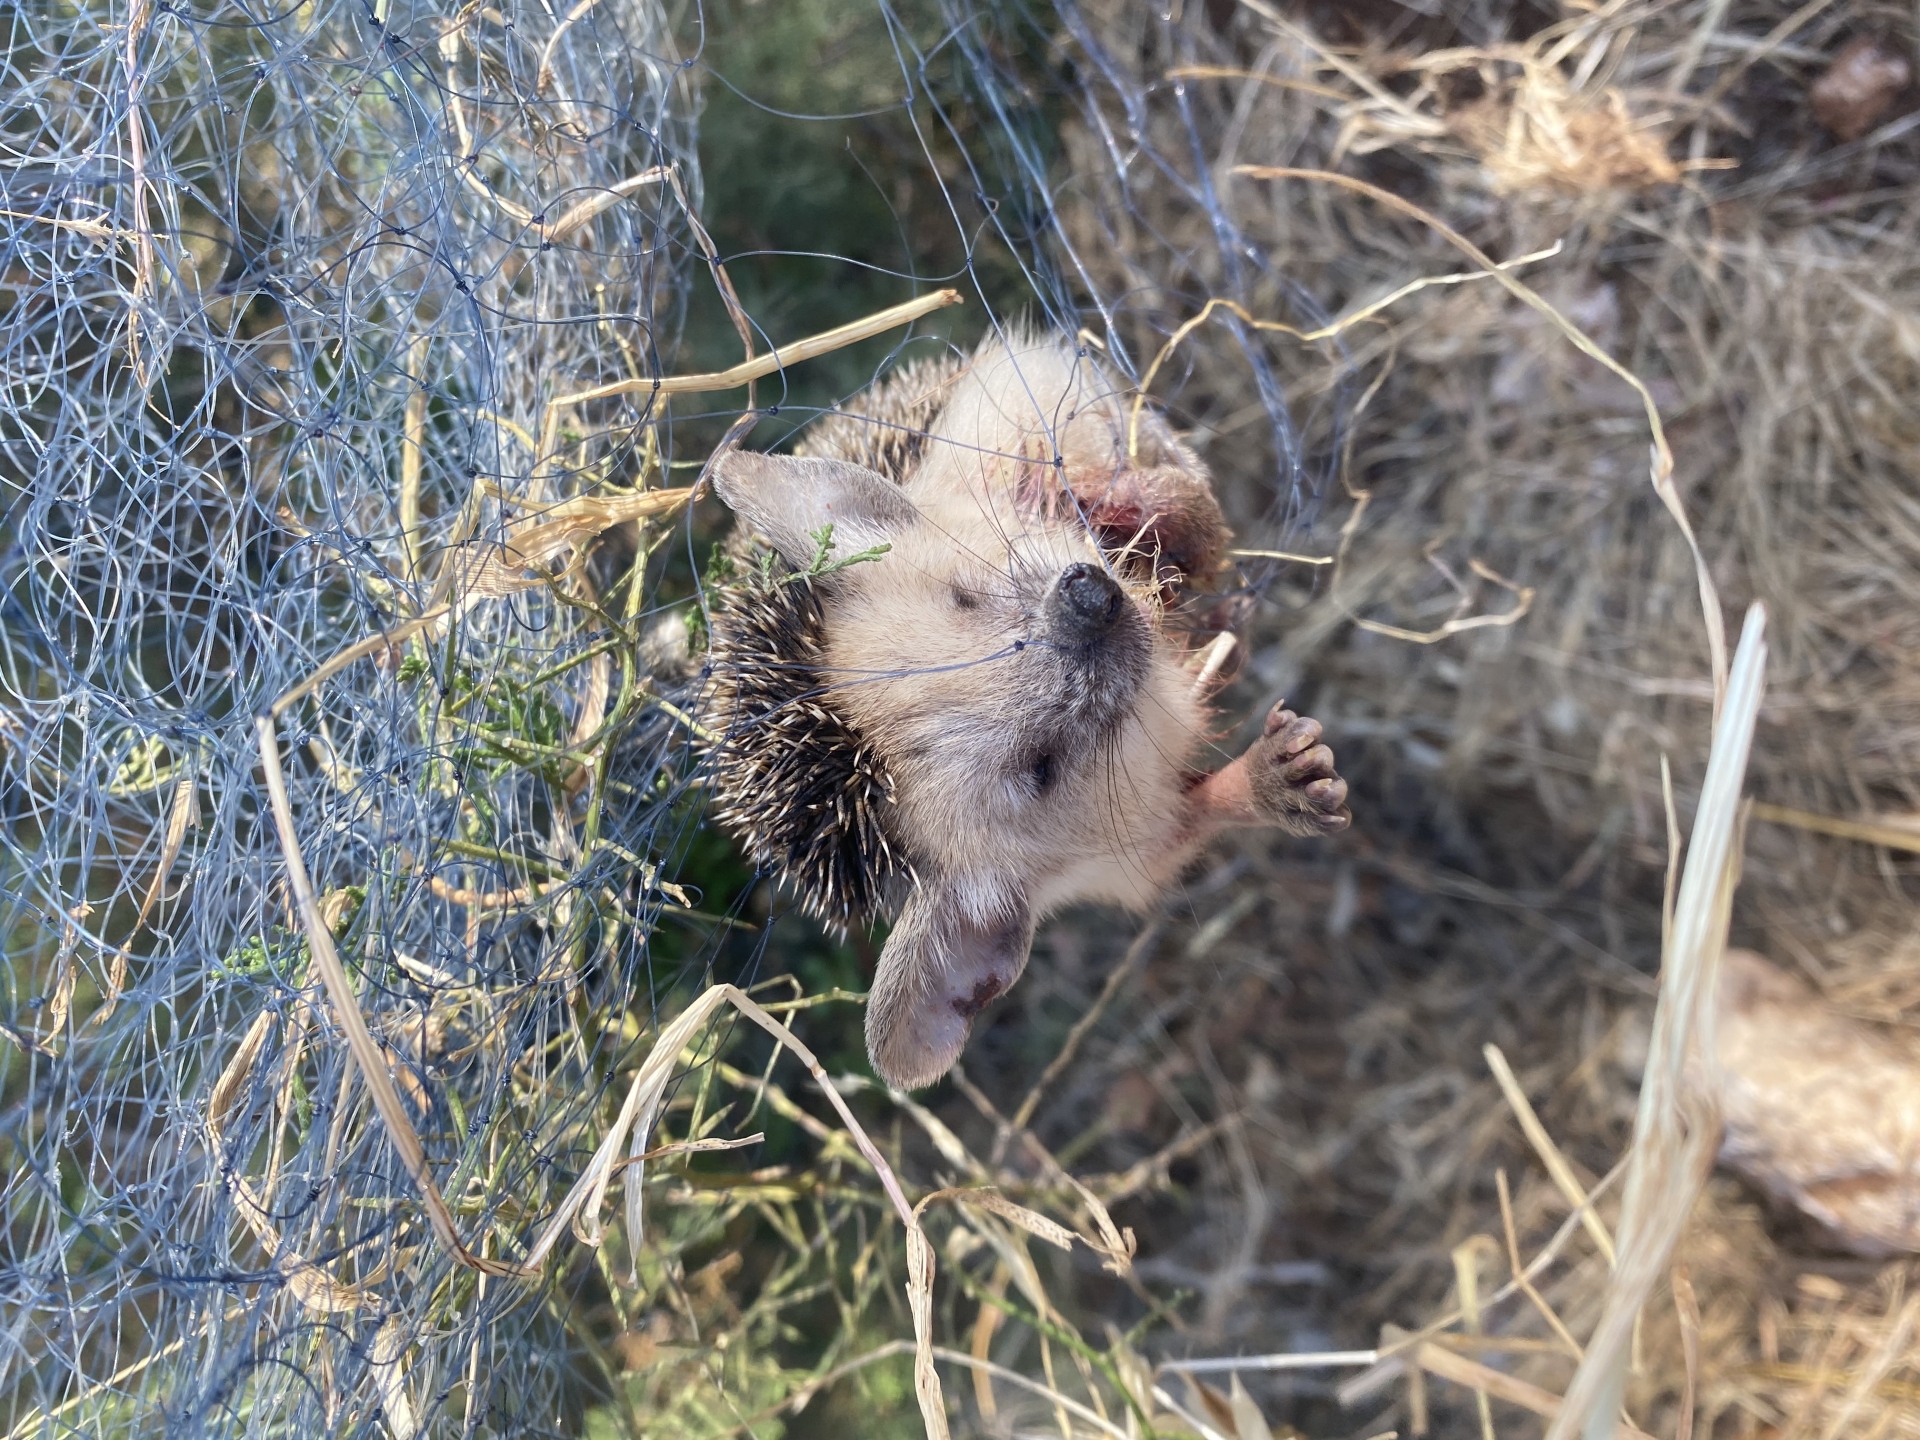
(288, 294)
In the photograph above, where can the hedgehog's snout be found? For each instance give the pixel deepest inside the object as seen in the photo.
(1084, 604)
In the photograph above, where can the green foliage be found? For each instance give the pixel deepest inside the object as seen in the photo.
(762, 1270)
(278, 952)
(782, 192)
(822, 564)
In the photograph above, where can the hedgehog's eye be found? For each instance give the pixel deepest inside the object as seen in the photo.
(1042, 774)
(965, 600)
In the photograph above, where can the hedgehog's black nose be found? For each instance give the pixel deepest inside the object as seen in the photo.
(1083, 606)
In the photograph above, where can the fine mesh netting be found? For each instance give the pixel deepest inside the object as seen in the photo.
(287, 295)
(329, 340)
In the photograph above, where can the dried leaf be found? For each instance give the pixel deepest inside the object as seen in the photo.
(177, 817)
(1248, 1422)
(533, 550)
(1214, 1406)
(926, 1381)
(1031, 1221)
(383, 1360)
(310, 1285)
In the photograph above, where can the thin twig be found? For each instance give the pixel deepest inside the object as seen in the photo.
(760, 366)
(1872, 832)
(1305, 337)
(1549, 1153)
(1462, 1371)
(372, 645)
(1518, 1272)
(1121, 973)
(178, 817)
(361, 1045)
(1305, 1360)
(413, 458)
(137, 163)
(1662, 469)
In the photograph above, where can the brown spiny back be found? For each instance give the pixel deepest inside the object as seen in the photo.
(885, 427)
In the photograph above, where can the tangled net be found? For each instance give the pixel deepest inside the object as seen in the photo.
(342, 822)
(290, 295)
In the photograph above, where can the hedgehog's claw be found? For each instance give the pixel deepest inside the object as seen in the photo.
(1292, 779)
(1286, 778)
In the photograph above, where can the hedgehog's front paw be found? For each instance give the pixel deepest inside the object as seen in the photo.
(1292, 777)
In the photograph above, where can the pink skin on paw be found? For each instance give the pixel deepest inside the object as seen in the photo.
(1286, 778)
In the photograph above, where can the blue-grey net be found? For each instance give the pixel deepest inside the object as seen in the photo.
(287, 293)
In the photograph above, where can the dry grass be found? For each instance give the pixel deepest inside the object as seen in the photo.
(1756, 273)
(1318, 1137)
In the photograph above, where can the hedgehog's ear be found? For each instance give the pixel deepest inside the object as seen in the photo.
(789, 499)
(941, 965)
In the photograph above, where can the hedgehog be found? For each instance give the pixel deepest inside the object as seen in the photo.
(948, 685)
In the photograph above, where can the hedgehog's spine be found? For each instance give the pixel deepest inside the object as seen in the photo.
(800, 788)
(885, 428)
